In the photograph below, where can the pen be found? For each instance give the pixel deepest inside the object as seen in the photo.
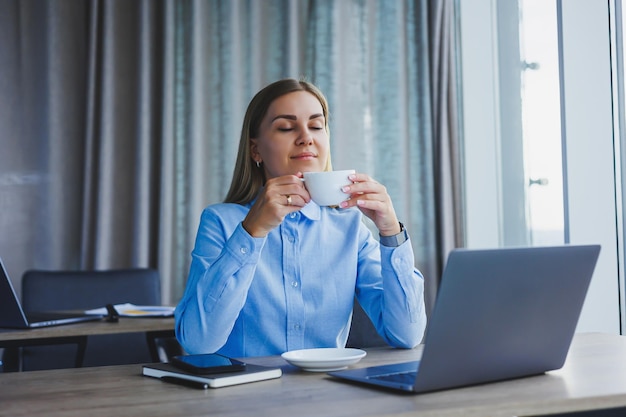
(185, 382)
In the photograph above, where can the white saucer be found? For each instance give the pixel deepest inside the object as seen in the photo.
(323, 359)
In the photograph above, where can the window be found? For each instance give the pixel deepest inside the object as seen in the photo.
(528, 121)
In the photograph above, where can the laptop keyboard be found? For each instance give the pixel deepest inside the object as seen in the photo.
(399, 377)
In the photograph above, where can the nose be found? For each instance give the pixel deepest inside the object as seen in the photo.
(306, 138)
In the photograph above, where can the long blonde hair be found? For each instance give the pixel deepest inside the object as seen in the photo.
(248, 178)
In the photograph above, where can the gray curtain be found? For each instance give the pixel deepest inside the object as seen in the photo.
(119, 120)
(84, 115)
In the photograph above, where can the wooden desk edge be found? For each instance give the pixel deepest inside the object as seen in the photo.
(91, 328)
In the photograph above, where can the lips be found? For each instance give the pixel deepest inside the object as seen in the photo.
(304, 155)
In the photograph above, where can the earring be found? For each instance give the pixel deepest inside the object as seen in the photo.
(258, 164)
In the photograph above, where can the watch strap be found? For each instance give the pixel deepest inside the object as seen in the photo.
(395, 240)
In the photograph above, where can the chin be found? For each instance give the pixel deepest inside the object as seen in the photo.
(309, 168)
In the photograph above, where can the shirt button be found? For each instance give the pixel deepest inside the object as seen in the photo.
(243, 250)
(293, 215)
(296, 326)
(294, 284)
(291, 239)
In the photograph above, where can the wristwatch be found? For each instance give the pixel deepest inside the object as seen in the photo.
(395, 240)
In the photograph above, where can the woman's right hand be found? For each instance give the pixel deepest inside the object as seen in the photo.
(279, 197)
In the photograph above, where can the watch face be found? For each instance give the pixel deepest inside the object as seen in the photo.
(401, 237)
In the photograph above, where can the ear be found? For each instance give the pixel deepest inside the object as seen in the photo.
(254, 149)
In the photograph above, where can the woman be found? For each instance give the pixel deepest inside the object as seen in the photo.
(272, 271)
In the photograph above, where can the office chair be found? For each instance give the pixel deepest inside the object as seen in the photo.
(363, 334)
(83, 290)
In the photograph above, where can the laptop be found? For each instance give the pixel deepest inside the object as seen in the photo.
(500, 314)
(13, 316)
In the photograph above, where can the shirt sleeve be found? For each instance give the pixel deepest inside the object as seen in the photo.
(222, 267)
(391, 291)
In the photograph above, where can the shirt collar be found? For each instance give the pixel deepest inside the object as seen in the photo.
(311, 211)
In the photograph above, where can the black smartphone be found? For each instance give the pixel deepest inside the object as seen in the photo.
(208, 363)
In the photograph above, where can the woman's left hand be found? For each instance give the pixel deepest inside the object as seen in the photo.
(372, 199)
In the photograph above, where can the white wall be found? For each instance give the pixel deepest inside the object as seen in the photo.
(481, 123)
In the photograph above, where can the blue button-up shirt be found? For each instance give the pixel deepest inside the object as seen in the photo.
(294, 288)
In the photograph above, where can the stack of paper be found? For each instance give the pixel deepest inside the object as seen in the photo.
(132, 310)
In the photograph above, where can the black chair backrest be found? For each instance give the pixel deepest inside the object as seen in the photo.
(363, 334)
(83, 290)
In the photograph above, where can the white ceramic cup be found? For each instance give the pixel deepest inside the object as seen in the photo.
(325, 187)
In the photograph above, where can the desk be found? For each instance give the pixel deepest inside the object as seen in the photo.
(77, 333)
(594, 376)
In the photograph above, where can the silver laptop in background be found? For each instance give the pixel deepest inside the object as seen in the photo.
(13, 316)
(500, 314)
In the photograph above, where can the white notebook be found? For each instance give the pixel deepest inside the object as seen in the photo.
(169, 373)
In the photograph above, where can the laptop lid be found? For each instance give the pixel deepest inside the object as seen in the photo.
(500, 314)
(13, 316)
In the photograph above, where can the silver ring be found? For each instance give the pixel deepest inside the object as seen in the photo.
(288, 200)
